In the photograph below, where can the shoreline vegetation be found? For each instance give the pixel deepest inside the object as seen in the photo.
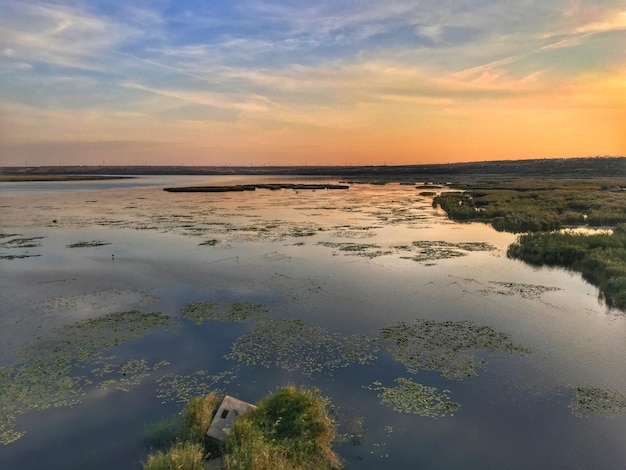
(601, 258)
(542, 211)
(586, 167)
(289, 429)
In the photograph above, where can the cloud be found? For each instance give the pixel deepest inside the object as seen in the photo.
(265, 72)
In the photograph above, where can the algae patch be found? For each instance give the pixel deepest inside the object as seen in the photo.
(181, 388)
(447, 347)
(411, 397)
(199, 312)
(294, 345)
(527, 291)
(45, 373)
(124, 376)
(30, 242)
(366, 250)
(437, 250)
(87, 244)
(11, 242)
(587, 401)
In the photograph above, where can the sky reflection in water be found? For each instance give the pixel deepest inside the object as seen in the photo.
(345, 264)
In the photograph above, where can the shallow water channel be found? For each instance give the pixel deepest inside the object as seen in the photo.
(119, 301)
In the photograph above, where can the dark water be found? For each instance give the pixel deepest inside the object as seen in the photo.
(346, 263)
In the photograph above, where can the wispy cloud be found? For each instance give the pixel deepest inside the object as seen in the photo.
(254, 70)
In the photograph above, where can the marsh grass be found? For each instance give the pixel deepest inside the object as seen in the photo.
(183, 456)
(290, 429)
(601, 258)
(162, 434)
(537, 205)
(198, 415)
(190, 446)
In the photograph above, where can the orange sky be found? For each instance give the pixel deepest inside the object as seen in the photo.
(326, 85)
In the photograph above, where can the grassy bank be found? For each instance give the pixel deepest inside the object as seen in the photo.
(538, 205)
(289, 429)
(541, 207)
(601, 258)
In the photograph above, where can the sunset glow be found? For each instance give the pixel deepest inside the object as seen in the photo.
(313, 83)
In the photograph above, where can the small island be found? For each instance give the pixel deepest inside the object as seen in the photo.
(253, 187)
(289, 429)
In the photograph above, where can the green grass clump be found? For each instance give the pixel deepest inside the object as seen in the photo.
(191, 447)
(184, 456)
(290, 429)
(198, 415)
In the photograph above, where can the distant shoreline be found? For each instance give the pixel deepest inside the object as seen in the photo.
(542, 168)
(57, 177)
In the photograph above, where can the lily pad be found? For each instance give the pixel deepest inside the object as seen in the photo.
(294, 345)
(411, 397)
(44, 374)
(448, 346)
(199, 312)
(587, 401)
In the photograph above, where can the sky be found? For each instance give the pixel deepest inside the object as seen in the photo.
(354, 82)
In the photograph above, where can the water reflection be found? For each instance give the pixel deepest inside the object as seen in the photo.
(332, 265)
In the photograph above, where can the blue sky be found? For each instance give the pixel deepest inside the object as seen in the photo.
(258, 82)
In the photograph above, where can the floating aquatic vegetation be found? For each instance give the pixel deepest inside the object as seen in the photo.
(199, 312)
(43, 374)
(293, 345)
(445, 346)
(100, 302)
(354, 233)
(7, 432)
(182, 388)
(434, 250)
(302, 232)
(124, 376)
(31, 242)
(411, 397)
(587, 401)
(350, 430)
(527, 291)
(18, 243)
(88, 244)
(367, 250)
(475, 246)
(23, 256)
(211, 242)
(32, 387)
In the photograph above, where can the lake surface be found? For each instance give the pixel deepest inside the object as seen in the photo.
(369, 294)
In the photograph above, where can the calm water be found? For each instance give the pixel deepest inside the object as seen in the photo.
(346, 263)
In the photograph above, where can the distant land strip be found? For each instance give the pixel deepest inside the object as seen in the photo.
(253, 187)
(57, 177)
(600, 166)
